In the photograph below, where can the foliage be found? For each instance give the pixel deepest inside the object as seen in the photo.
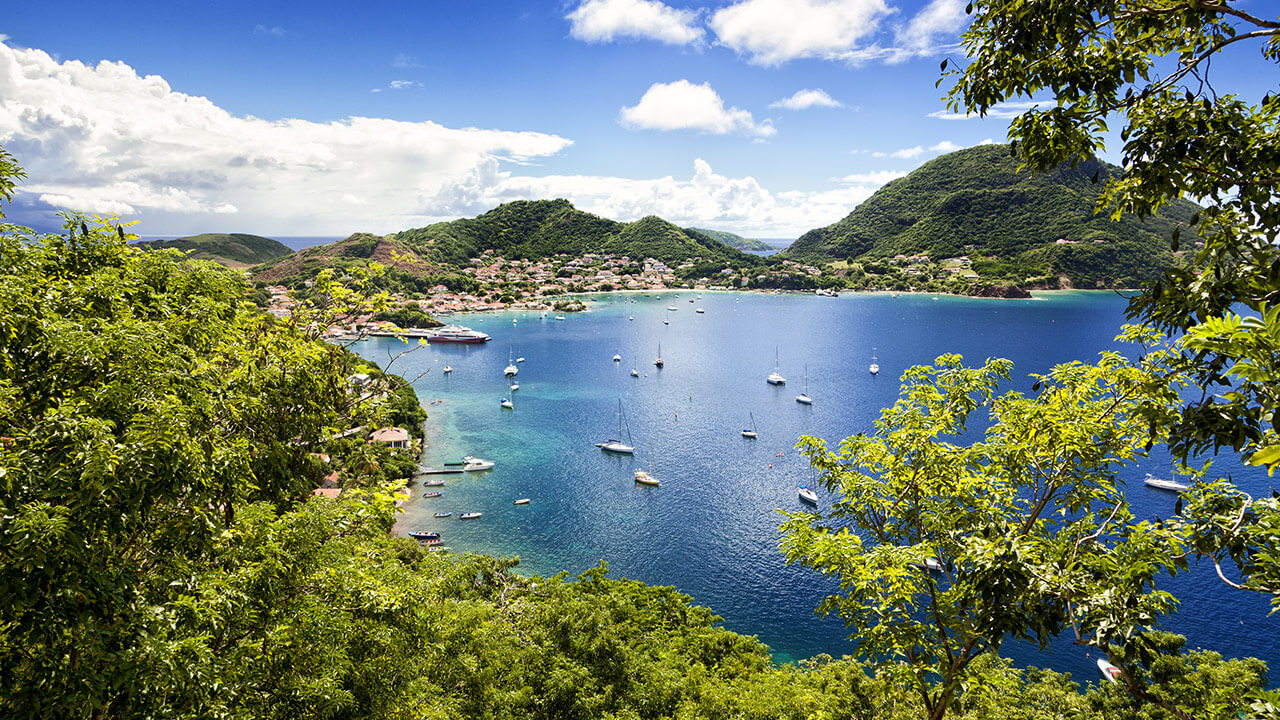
(1148, 65)
(407, 316)
(236, 250)
(974, 202)
(1028, 529)
(142, 405)
(736, 242)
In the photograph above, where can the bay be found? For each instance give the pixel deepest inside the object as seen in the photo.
(710, 530)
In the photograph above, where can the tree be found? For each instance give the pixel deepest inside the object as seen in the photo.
(942, 550)
(1148, 65)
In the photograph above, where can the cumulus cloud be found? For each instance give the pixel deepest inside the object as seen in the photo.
(681, 105)
(934, 29)
(805, 99)
(608, 20)
(704, 199)
(772, 32)
(104, 139)
(399, 85)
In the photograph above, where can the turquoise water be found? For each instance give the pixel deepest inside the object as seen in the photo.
(710, 530)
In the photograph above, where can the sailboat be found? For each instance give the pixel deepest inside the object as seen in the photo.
(510, 370)
(875, 367)
(647, 478)
(506, 403)
(616, 445)
(752, 432)
(803, 398)
(658, 361)
(775, 377)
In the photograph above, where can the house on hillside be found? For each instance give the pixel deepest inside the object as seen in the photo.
(391, 437)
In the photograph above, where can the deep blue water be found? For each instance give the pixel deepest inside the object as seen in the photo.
(710, 530)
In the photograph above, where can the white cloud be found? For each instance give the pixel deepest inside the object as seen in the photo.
(404, 61)
(804, 99)
(903, 154)
(399, 85)
(933, 30)
(607, 20)
(273, 31)
(1003, 111)
(103, 139)
(705, 199)
(945, 146)
(681, 105)
(772, 32)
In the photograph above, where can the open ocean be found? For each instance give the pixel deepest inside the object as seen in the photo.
(710, 530)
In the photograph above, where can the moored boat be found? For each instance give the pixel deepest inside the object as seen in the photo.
(475, 463)
(645, 478)
(434, 494)
(752, 432)
(1163, 484)
(1109, 671)
(616, 445)
(424, 535)
(521, 501)
(433, 483)
(443, 514)
(808, 495)
(469, 515)
(775, 377)
(457, 334)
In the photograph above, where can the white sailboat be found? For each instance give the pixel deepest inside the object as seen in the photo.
(616, 445)
(775, 377)
(647, 478)
(808, 495)
(658, 360)
(752, 432)
(1163, 484)
(510, 370)
(803, 398)
(875, 366)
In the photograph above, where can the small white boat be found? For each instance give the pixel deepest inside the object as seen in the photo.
(803, 398)
(617, 357)
(635, 372)
(775, 377)
(631, 317)
(475, 463)
(1109, 671)
(514, 387)
(513, 321)
(752, 432)
(506, 403)
(1162, 484)
(519, 359)
(699, 310)
(658, 360)
(448, 369)
(616, 445)
(645, 478)
(469, 516)
(521, 501)
(510, 370)
(808, 495)
(875, 366)
(559, 317)
(674, 308)
(443, 514)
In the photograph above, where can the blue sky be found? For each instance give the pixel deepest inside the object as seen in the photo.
(762, 117)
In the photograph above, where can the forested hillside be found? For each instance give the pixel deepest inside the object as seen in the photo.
(1018, 225)
(236, 250)
(736, 242)
(534, 229)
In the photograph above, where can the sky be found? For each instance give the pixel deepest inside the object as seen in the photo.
(762, 117)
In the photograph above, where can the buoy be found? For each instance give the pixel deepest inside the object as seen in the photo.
(770, 464)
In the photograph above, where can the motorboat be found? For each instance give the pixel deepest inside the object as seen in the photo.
(514, 387)
(447, 369)
(519, 360)
(1109, 671)
(474, 464)
(699, 310)
(457, 334)
(469, 515)
(433, 483)
(1163, 484)
(808, 495)
(752, 432)
(617, 357)
(616, 445)
(506, 403)
(635, 372)
(424, 535)
(521, 501)
(442, 514)
(432, 494)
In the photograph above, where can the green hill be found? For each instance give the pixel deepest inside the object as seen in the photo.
(237, 250)
(1019, 227)
(736, 242)
(533, 229)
